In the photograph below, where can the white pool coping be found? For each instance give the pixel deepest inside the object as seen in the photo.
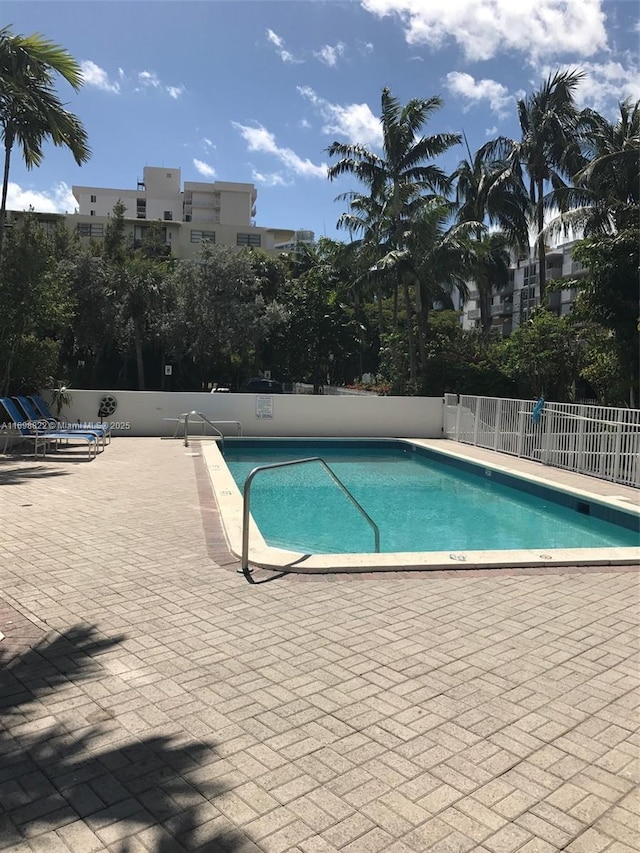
(230, 504)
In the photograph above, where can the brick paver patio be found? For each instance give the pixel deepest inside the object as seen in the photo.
(152, 700)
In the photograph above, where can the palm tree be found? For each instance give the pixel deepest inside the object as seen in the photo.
(398, 182)
(606, 195)
(484, 194)
(490, 271)
(30, 110)
(548, 152)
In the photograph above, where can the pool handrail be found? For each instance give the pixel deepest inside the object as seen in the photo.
(184, 420)
(246, 506)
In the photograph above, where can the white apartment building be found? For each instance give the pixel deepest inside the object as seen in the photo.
(301, 237)
(220, 211)
(514, 304)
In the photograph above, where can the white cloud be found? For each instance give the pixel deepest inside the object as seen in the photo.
(150, 80)
(278, 43)
(93, 75)
(484, 28)
(475, 91)
(260, 139)
(329, 54)
(272, 179)
(59, 199)
(275, 39)
(304, 123)
(97, 77)
(356, 122)
(204, 169)
(207, 143)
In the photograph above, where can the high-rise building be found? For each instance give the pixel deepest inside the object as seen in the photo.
(222, 212)
(514, 304)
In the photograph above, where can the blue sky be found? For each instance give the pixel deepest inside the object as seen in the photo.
(256, 90)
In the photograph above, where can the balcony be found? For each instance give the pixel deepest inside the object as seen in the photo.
(473, 314)
(205, 204)
(502, 308)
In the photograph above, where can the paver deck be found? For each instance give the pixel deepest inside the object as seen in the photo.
(152, 700)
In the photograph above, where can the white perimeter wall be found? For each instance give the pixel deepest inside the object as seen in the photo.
(293, 414)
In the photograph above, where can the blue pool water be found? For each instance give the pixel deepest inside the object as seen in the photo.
(419, 500)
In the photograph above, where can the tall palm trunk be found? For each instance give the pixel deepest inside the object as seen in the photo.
(8, 367)
(410, 340)
(6, 379)
(485, 308)
(139, 359)
(5, 185)
(542, 264)
(421, 315)
(381, 323)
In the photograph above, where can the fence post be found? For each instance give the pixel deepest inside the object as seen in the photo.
(521, 423)
(617, 450)
(458, 411)
(476, 422)
(496, 435)
(547, 418)
(581, 433)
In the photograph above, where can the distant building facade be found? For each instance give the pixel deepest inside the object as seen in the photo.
(301, 237)
(513, 305)
(221, 212)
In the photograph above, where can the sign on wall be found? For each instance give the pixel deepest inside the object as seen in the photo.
(264, 407)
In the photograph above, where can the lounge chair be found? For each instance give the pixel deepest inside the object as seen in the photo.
(48, 421)
(43, 438)
(45, 412)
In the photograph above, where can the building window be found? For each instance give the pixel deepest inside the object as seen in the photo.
(168, 215)
(248, 239)
(199, 236)
(94, 199)
(93, 213)
(139, 232)
(87, 229)
(531, 274)
(141, 208)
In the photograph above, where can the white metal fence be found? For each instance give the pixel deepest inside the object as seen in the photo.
(595, 440)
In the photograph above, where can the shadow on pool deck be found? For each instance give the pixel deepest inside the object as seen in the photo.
(13, 471)
(96, 779)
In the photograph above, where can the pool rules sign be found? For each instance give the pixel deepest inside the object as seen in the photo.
(264, 407)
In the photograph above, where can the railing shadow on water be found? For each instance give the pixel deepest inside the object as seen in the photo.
(57, 772)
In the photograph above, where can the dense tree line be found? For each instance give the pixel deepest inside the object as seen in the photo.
(111, 315)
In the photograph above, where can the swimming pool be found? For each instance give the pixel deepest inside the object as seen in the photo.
(431, 507)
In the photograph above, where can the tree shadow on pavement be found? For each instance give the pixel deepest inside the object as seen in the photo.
(12, 473)
(85, 777)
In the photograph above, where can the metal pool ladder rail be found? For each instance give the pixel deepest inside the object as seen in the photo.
(183, 420)
(246, 507)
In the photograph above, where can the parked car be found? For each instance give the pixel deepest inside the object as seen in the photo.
(261, 386)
